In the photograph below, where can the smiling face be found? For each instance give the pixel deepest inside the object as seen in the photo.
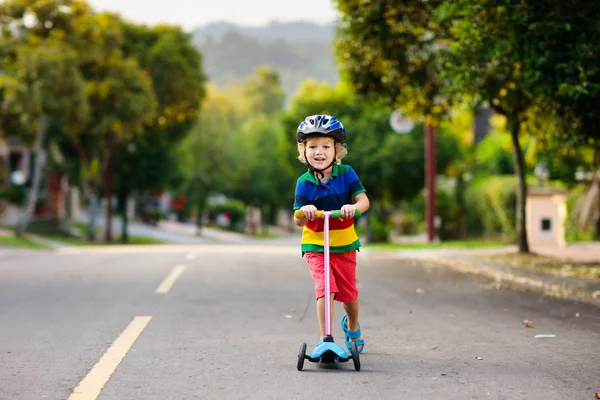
(320, 152)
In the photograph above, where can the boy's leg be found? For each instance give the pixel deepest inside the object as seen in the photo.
(316, 263)
(345, 271)
(352, 310)
(321, 314)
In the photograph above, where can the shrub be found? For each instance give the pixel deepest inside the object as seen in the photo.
(447, 209)
(410, 223)
(574, 231)
(490, 206)
(379, 228)
(13, 194)
(236, 210)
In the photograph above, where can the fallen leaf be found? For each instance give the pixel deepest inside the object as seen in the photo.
(478, 358)
(527, 323)
(596, 396)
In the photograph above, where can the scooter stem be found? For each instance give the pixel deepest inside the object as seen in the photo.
(327, 268)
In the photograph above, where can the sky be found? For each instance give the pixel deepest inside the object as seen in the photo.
(194, 13)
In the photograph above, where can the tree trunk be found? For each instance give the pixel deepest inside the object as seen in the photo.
(200, 208)
(32, 194)
(124, 226)
(93, 212)
(598, 217)
(108, 196)
(519, 164)
(596, 179)
(266, 217)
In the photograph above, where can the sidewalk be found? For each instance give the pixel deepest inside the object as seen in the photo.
(174, 234)
(585, 252)
(491, 263)
(205, 233)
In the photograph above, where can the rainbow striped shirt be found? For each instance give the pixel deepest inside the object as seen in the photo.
(342, 186)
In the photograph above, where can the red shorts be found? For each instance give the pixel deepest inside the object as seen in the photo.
(342, 277)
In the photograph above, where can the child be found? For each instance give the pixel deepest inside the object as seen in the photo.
(328, 185)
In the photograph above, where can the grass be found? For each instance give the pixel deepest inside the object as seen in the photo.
(47, 230)
(452, 244)
(14, 241)
(144, 240)
(266, 234)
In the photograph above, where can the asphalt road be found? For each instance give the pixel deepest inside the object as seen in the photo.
(229, 320)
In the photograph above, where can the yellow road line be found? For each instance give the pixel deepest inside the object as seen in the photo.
(168, 282)
(91, 386)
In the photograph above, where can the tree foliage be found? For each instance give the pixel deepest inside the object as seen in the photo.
(512, 55)
(373, 148)
(175, 68)
(40, 81)
(390, 52)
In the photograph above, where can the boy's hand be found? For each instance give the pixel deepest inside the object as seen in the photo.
(309, 211)
(348, 210)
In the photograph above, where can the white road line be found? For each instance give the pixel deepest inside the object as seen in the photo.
(168, 282)
(91, 386)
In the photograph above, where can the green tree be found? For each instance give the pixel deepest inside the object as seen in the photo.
(390, 165)
(123, 103)
(151, 162)
(208, 153)
(233, 149)
(389, 52)
(261, 138)
(511, 55)
(263, 92)
(40, 82)
(424, 54)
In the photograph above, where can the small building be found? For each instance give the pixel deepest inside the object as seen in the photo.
(546, 210)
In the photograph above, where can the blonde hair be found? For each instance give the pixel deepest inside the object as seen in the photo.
(341, 150)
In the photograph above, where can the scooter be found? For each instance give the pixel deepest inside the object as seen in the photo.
(327, 351)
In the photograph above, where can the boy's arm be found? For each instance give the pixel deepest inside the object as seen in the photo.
(361, 202)
(300, 221)
(310, 213)
(300, 201)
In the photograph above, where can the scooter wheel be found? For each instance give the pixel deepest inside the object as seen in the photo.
(355, 356)
(301, 356)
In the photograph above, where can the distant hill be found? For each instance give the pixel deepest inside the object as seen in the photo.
(298, 51)
(291, 31)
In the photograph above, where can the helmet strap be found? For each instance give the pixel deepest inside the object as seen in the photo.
(319, 172)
